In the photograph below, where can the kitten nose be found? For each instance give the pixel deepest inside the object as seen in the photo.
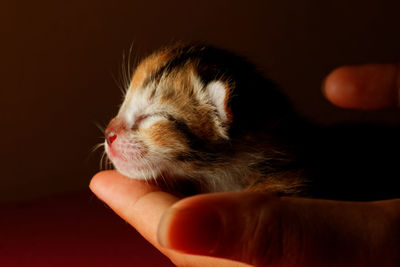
(110, 137)
(115, 126)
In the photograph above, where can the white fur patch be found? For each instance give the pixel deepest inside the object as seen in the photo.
(135, 106)
(217, 93)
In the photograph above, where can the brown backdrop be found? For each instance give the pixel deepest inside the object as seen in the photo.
(58, 59)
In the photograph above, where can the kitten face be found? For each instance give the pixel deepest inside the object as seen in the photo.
(165, 114)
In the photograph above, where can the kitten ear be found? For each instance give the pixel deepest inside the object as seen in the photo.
(219, 95)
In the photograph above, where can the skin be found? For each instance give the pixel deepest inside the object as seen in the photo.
(264, 230)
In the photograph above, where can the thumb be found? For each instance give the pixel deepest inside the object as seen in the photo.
(223, 225)
(262, 230)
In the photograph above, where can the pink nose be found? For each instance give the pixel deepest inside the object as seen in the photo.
(114, 128)
(110, 137)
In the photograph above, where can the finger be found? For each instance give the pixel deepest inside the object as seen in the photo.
(371, 86)
(263, 230)
(142, 206)
(127, 197)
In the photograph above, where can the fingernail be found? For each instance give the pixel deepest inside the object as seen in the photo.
(190, 230)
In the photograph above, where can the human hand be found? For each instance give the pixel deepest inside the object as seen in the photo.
(255, 228)
(260, 229)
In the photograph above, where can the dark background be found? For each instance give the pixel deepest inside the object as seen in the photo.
(60, 60)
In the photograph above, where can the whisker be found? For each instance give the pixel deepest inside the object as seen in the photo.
(144, 177)
(102, 160)
(100, 127)
(130, 72)
(120, 84)
(150, 168)
(163, 178)
(124, 70)
(96, 147)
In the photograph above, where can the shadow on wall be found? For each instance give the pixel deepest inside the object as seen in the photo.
(59, 67)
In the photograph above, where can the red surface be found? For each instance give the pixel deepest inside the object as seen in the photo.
(71, 230)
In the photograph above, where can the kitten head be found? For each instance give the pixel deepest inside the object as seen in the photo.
(185, 108)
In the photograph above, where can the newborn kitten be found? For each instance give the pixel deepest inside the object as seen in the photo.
(203, 114)
(200, 116)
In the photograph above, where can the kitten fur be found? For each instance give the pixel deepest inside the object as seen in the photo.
(202, 116)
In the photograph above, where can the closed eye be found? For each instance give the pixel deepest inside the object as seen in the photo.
(142, 118)
(138, 120)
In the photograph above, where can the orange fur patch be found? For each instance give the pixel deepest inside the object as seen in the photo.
(146, 67)
(162, 134)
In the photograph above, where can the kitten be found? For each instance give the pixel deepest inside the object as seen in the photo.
(200, 116)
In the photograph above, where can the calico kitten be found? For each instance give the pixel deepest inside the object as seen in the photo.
(200, 116)
(203, 114)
